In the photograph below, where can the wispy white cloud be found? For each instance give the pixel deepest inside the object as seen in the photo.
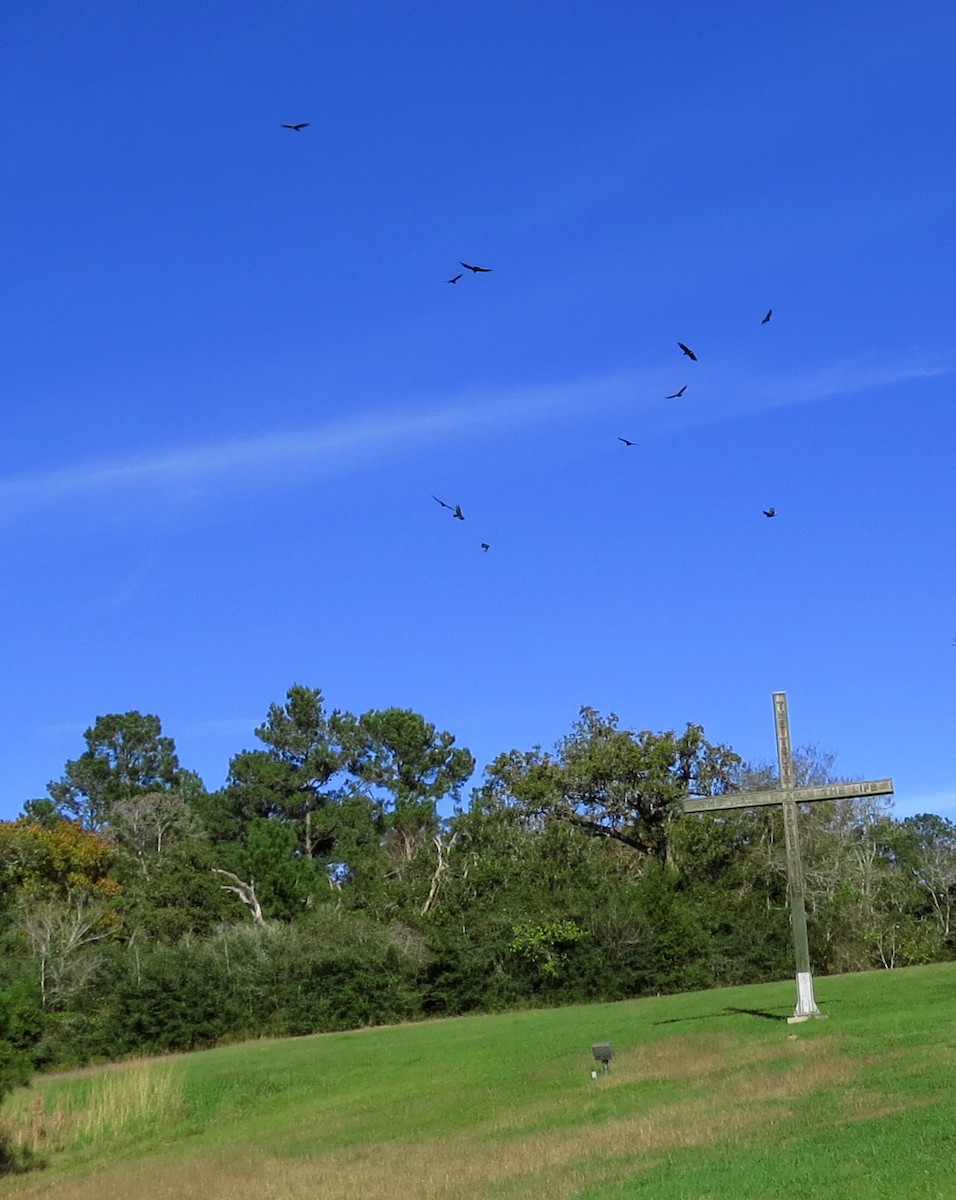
(180, 477)
(332, 448)
(849, 378)
(731, 395)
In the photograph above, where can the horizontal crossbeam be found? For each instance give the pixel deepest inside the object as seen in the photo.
(807, 795)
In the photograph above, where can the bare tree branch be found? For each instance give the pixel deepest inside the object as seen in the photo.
(245, 891)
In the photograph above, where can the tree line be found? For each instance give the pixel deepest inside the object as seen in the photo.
(322, 888)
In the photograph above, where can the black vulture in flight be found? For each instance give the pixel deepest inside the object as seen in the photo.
(687, 350)
(677, 395)
(627, 443)
(485, 270)
(298, 126)
(485, 546)
(455, 280)
(769, 512)
(766, 320)
(454, 509)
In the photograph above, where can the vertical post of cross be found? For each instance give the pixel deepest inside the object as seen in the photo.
(806, 1004)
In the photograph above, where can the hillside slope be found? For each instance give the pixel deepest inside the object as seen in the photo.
(710, 1094)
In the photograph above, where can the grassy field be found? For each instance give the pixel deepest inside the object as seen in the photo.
(710, 1096)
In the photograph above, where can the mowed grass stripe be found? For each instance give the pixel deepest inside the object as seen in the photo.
(711, 1091)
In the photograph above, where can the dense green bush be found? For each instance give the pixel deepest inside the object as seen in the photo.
(167, 999)
(471, 971)
(14, 1066)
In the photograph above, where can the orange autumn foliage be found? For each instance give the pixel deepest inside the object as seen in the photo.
(55, 860)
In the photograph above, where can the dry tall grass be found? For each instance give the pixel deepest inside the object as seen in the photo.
(102, 1105)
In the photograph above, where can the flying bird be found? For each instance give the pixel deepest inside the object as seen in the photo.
(485, 546)
(677, 395)
(454, 509)
(475, 269)
(687, 350)
(298, 126)
(455, 280)
(627, 443)
(769, 512)
(766, 319)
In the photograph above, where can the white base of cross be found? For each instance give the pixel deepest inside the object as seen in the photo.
(806, 1004)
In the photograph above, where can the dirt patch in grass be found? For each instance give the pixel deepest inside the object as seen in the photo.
(705, 1055)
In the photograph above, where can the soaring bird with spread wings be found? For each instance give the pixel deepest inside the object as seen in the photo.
(687, 350)
(297, 127)
(677, 395)
(469, 267)
(454, 509)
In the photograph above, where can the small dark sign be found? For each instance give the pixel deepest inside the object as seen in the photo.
(603, 1052)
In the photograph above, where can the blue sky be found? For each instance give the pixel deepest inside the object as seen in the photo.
(235, 375)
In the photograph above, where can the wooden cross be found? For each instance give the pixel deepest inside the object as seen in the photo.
(789, 796)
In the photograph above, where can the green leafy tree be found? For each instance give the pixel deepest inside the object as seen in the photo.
(613, 782)
(314, 747)
(270, 863)
(410, 766)
(509, 874)
(126, 756)
(258, 786)
(164, 860)
(298, 779)
(728, 900)
(931, 860)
